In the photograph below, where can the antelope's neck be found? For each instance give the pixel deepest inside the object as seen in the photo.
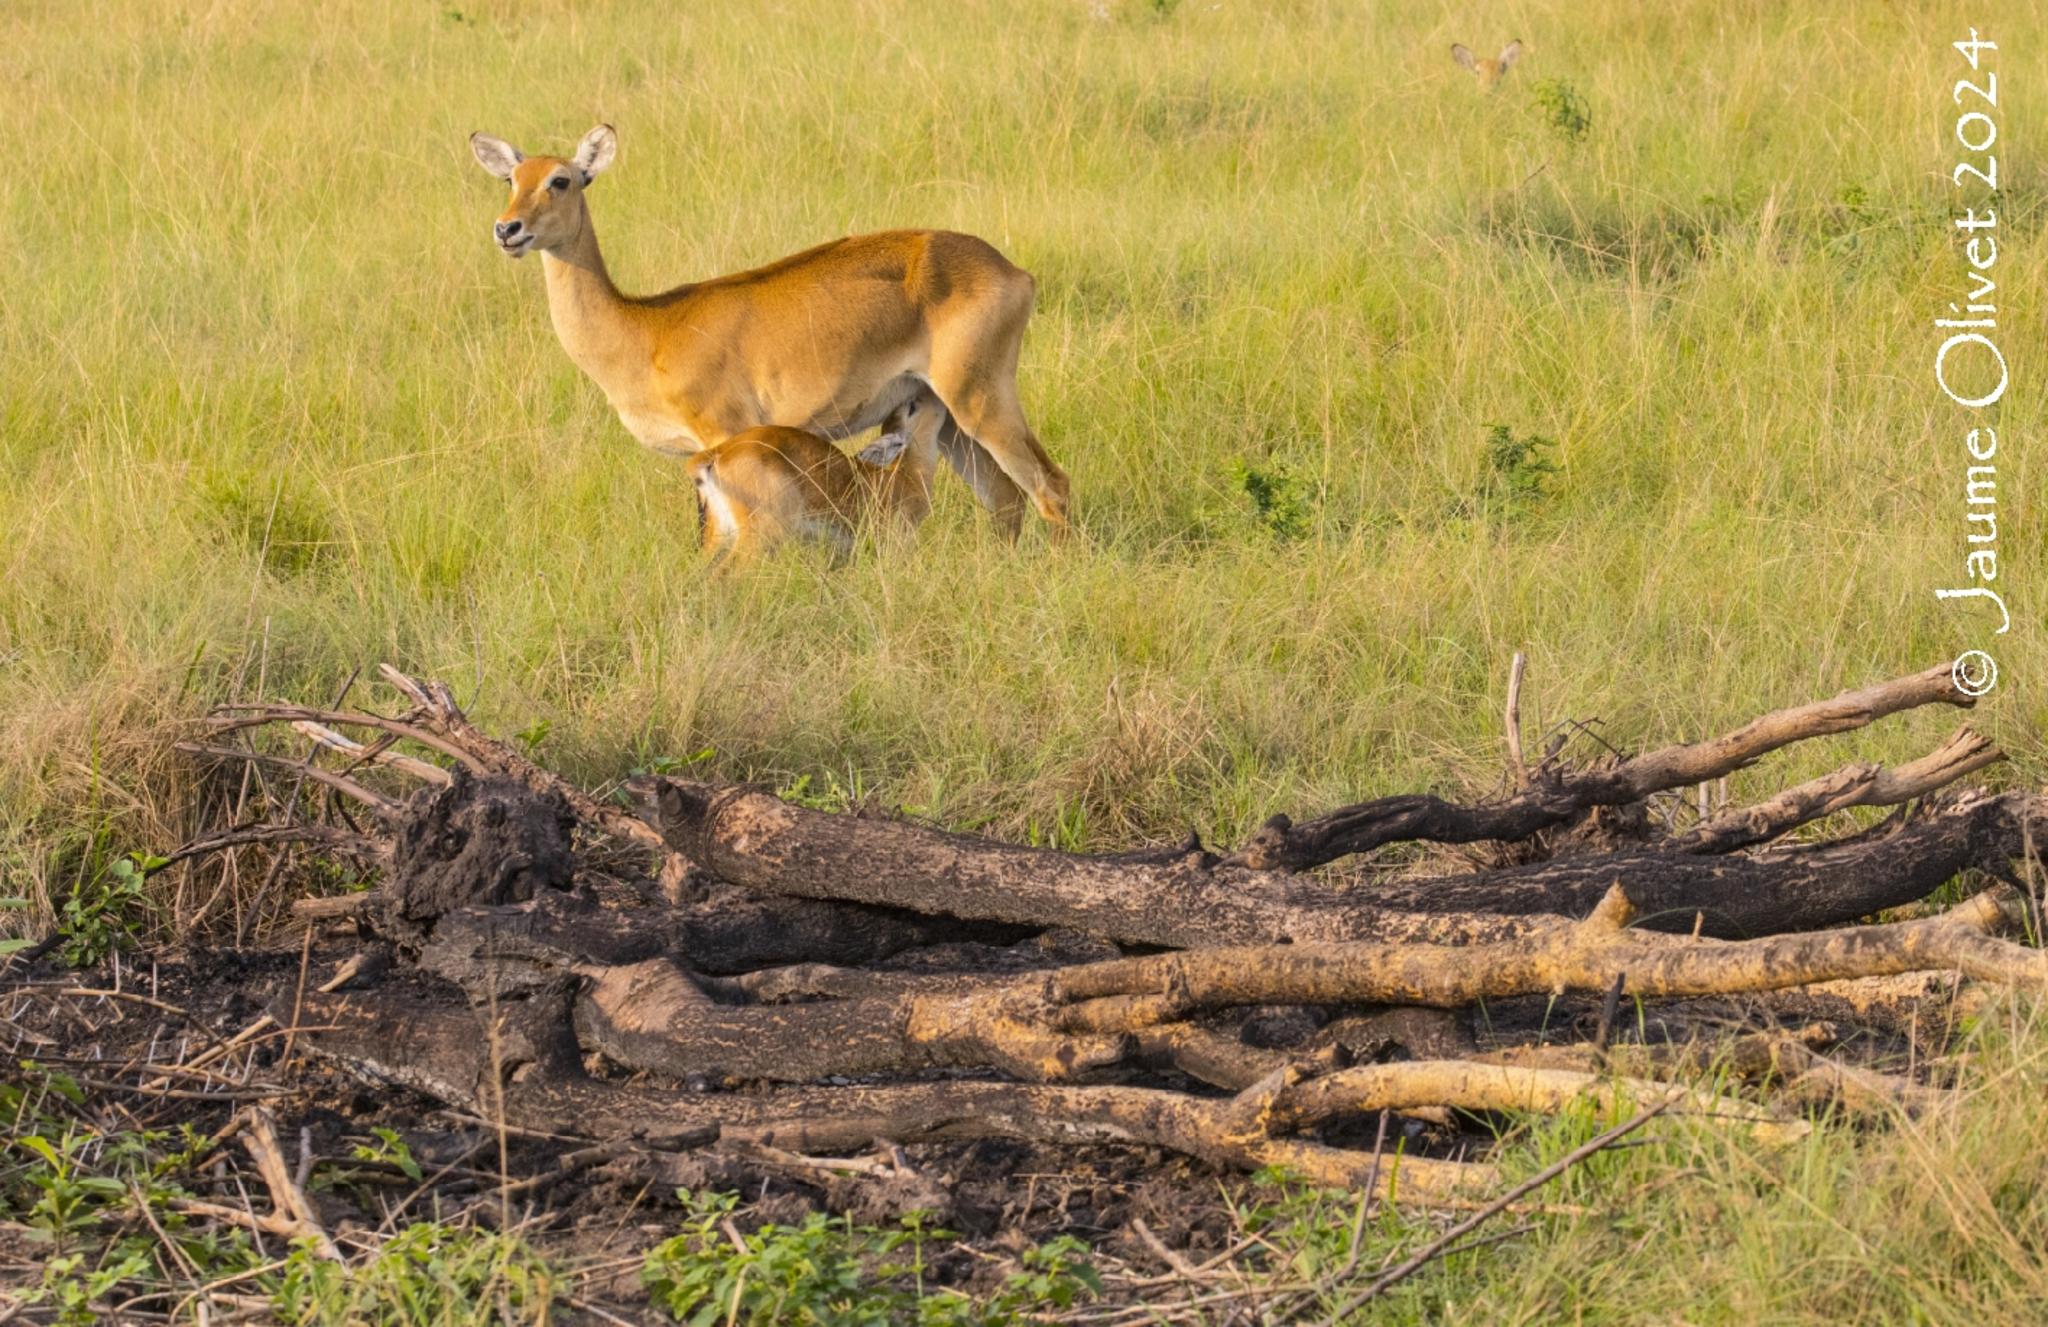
(596, 324)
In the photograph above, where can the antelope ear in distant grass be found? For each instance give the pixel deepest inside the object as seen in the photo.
(1488, 72)
(768, 484)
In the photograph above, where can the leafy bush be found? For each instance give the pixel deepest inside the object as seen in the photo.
(105, 909)
(1564, 110)
(1514, 481)
(1280, 503)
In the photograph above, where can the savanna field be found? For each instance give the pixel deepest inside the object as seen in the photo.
(1365, 380)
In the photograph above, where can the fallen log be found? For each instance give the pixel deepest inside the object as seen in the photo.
(759, 841)
(763, 843)
(1802, 888)
(1585, 957)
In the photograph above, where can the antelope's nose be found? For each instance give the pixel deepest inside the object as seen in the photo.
(508, 231)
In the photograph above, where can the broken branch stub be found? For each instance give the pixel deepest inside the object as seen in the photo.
(1283, 844)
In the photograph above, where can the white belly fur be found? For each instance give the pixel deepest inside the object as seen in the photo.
(670, 436)
(660, 432)
(718, 510)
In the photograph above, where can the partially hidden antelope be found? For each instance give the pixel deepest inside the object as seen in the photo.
(830, 341)
(768, 484)
(1488, 72)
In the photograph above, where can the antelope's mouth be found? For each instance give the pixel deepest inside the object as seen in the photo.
(516, 248)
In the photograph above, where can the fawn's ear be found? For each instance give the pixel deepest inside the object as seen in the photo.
(596, 151)
(495, 155)
(1461, 56)
(1509, 54)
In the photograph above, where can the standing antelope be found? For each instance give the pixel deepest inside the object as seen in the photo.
(1488, 72)
(768, 483)
(831, 340)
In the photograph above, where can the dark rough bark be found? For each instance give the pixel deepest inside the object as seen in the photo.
(738, 932)
(758, 841)
(474, 842)
(1796, 889)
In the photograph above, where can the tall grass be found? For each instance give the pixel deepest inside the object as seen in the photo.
(271, 410)
(1940, 1220)
(274, 410)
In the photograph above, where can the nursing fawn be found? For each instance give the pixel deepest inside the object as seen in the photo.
(767, 484)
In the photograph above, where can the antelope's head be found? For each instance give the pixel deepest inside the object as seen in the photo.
(546, 209)
(1488, 72)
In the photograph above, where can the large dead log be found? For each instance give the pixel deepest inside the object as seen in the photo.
(643, 1011)
(650, 1015)
(757, 840)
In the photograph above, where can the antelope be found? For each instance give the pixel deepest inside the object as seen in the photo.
(830, 341)
(766, 484)
(1488, 72)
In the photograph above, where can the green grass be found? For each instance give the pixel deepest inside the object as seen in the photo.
(272, 411)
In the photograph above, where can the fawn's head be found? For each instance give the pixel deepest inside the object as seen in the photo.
(546, 209)
(1488, 72)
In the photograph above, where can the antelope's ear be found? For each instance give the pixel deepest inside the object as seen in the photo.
(596, 151)
(1509, 54)
(1461, 56)
(495, 155)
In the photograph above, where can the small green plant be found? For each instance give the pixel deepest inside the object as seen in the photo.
(1847, 226)
(1564, 110)
(75, 1287)
(835, 795)
(666, 765)
(427, 1272)
(1068, 831)
(391, 1150)
(1056, 1275)
(77, 1190)
(833, 1273)
(1515, 479)
(70, 1195)
(533, 734)
(1162, 9)
(106, 909)
(1280, 504)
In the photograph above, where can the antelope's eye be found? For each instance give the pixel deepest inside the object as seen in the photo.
(559, 183)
